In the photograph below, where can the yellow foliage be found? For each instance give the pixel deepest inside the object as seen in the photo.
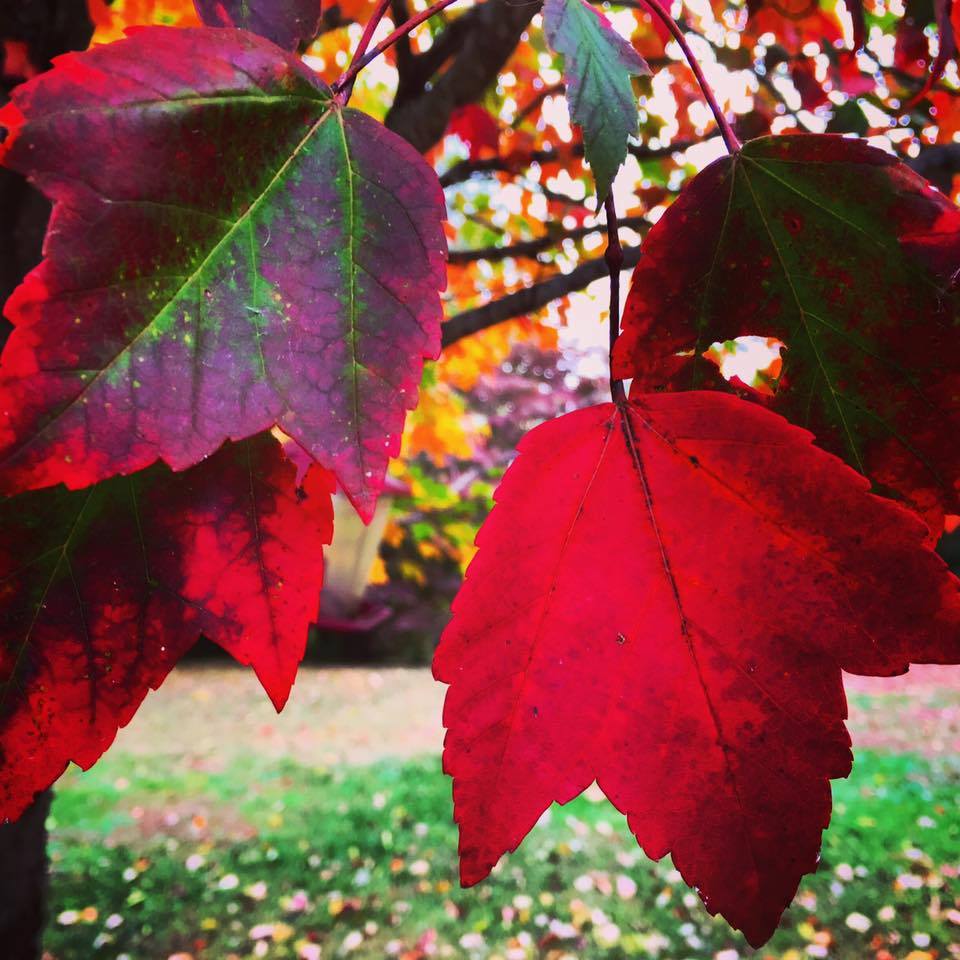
(109, 22)
(330, 53)
(464, 362)
(410, 571)
(393, 534)
(465, 554)
(440, 427)
(378, 572)
(465, 284)
(428, 550)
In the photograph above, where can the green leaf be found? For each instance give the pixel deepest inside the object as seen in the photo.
(598, 64)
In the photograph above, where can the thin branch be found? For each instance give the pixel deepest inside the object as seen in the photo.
(530, 298)
(726, 131)
(613, 256)
(406, 58)
(348, 77)
(904, 77)
(446, 45)
(464, 169)
(530, 248)
(346, 88)
(557, 196)
(535, 102)
(766, 81)
(548, 91)
(486, 224)
(471, 60)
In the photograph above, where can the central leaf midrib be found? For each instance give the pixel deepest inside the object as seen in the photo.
(640, 472)
(703, 309)
(350, 255)
(62, 549)
(258, 551)
(802, 314)
(103, 110)
(175, 297)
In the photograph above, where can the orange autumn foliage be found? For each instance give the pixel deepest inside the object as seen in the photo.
(111, 21)
(466, 361)
(440, 427)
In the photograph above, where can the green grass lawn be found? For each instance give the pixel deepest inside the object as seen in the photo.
(272, 858)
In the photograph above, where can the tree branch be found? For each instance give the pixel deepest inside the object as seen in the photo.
(530, 248)
(530, 298)
(938, 163)
(483, 45)
(464, 169)
(406, 71)
(535, 102)
(448, 44)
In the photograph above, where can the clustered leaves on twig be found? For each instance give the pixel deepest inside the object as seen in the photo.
(667, 591)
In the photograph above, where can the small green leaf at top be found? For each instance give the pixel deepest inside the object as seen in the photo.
(597, 66)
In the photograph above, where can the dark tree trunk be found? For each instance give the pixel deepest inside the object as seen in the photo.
(49, 28)
(23, 882)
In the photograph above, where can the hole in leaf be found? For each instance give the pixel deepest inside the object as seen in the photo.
(749, 361)
(949, 545)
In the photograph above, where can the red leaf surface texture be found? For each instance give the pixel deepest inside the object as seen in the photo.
(288, 23)
(104, 589)
(663, 600)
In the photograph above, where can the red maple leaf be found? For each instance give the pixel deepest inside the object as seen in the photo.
(663, 600)
(104, 589)
(229, 249)
(794, 22)
(812, 95)
(477, 128)
(847, 257)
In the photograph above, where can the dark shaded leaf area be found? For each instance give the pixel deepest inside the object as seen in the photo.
(288, 23)
(847, 257)
(104, 589)
(663, 600)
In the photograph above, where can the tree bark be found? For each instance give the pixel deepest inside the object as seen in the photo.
(23, 882)
(478, 44)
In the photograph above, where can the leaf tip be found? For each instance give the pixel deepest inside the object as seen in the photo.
(472, 871)
(277, 683)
